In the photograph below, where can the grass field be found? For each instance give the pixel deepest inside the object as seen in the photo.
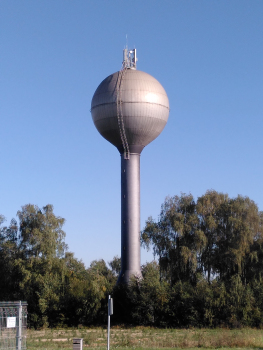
(146, 338)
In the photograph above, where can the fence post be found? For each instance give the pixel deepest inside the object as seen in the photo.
(19, 328)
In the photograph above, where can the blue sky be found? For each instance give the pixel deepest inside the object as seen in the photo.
(207, 54)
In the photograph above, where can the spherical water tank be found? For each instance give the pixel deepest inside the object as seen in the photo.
(144, 108)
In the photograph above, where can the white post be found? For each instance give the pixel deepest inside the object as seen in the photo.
(108, 343)
(110, 312)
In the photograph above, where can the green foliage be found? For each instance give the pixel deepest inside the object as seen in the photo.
(86, 297)
(216, 236)
(176, 239)
(41, 232)
(208, 271)
(36, 267)
(115, 265)
(210, 252)
(142, 302)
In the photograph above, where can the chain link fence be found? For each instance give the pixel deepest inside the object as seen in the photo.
(13, 324)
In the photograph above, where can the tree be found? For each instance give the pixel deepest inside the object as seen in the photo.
(115, 265)
(41, 232)
(216, 236)
(85, 299)
(145, 300)
(35, 266)
(240, 226)
(210, 211)
(9, 240)
(38, 264)
(176, 239)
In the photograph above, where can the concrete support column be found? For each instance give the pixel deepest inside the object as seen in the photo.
(130, 218)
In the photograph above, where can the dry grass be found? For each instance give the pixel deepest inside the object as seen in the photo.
(146, 338)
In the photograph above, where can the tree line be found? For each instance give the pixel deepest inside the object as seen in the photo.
(207, 270)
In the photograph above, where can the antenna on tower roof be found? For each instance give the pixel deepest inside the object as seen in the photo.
(129, 59)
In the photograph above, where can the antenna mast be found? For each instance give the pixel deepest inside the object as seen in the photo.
(129, 59)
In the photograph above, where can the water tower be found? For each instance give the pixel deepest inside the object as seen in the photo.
(130, 109)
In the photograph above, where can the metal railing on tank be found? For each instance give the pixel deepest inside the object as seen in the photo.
(13, 324)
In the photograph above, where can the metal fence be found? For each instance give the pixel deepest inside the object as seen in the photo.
(13, 323)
